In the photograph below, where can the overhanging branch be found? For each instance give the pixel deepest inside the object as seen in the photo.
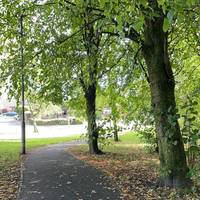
(112, 66)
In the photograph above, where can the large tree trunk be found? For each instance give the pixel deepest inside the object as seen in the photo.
(90, 96)
(171, 149)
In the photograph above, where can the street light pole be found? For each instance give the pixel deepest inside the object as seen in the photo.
(23, 136)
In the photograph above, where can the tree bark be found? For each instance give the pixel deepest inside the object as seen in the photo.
(90, 96)
(35, 130)
(171, 149)
(116, 138)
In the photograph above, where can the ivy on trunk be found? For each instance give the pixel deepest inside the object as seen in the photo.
(162, 84)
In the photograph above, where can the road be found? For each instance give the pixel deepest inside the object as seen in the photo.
(11, 129)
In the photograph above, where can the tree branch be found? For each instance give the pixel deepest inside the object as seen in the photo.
(110, 68)
(133, 35)
(89, 7)
(140, 64)
(129, 32)
(81, 80)
(145, 72)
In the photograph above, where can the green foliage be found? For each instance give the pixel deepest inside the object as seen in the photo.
(191, 123)
(105, 133)
(166, 25)
(172, 117)
(148, 136)
(70, 46)
(194, 172)
(191, 135)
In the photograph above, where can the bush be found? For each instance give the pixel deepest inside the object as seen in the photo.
(190, 127)
(76, 122)
(148, 136)
(146, 129)
(58, 121)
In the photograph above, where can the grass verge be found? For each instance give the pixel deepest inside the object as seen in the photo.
(10, 149)
(10, 163)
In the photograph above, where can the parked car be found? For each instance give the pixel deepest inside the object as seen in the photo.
(10, 114)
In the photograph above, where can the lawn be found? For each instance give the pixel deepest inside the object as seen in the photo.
(10, 149)
(130, 138)
(10, 169)
(128, 142)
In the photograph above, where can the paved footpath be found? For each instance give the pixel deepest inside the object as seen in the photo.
(50, 173)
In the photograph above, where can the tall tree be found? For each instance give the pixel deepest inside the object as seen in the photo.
(65, 49)
(91, 39)
(147, 23)
(155, 51)
(73, 33)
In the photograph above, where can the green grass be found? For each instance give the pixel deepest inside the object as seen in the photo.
(130, 138)
(129, 148)
(10, 150)
(33, 143)
(128, 143)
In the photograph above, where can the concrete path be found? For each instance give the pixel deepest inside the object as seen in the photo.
(50, 173)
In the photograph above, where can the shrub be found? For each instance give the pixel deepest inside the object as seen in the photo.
(190, 127)
(59, 121)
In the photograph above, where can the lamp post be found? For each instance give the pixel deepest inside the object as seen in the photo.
(23, 132)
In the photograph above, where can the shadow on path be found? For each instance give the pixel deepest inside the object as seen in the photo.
(51, 173)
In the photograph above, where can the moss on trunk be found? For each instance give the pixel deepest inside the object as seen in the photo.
(171, 149)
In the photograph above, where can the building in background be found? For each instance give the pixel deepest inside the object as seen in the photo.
(6, 105)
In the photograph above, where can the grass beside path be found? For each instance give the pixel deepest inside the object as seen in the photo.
(10, 149)
(10, 168)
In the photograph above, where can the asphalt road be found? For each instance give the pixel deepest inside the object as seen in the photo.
(51, 173)
(11, 129)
